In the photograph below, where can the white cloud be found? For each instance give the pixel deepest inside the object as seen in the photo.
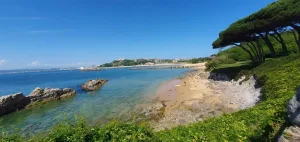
(35, 63)
(3, 62)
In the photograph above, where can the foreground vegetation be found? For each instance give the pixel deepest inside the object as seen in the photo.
(260, 123)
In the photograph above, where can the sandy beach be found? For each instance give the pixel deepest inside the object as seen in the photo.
(195, 98)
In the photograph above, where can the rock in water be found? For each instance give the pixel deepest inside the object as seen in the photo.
(11, 103)
(49, 94)
(294, 109)
(37, 92)
(92, 85)
(68, 92)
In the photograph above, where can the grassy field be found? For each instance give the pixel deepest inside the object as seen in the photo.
(279, 77)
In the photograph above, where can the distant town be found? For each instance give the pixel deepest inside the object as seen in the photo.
(135, 62)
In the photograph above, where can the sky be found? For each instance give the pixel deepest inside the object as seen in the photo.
(74, 33)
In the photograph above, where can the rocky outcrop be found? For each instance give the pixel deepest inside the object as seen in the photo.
(294, 109)
(290, 134)
(11, 103)
(218, 77)
(14, 102)
(49, 94)
(92, 85)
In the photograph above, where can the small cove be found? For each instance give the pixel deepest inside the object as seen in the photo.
(125, 89)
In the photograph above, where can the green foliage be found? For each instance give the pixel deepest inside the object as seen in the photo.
(218, 61)
(238, 54)
(263, 27)
(80, 131)
(197, 60)
(235, 53)
(126, 62)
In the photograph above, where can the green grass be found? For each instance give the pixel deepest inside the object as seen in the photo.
(263, 122)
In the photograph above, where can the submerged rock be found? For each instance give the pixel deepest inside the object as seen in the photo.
(11, 103)
(92, 85)
(294, 108)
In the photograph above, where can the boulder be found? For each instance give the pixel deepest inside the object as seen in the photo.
(294, 109)
(68, 92)
(37, 92)
(92, 85)
(49, 94)
(11, 103)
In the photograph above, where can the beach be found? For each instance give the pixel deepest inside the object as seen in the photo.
(195, 97)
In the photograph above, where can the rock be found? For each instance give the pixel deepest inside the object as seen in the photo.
(92, 85)
(294, 109)
(14, 102)
(11, 103)
(49, 94)
(218, 77)
(36, 92)
(68, 92)
(52, 93)
(155, 111)
(290, 134)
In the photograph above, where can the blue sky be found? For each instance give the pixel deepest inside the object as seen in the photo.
(74, 33)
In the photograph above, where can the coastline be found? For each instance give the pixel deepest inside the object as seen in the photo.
(194, 98)
(155, 65)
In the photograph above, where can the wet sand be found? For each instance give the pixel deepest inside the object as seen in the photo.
(195, 97)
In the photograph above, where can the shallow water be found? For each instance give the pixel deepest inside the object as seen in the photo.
(124, 90)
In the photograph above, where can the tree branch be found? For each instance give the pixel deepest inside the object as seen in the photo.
(276, 38)
(248, 51)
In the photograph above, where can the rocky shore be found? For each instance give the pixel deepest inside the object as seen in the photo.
(18, 101)
(39, 96)
(197, 96)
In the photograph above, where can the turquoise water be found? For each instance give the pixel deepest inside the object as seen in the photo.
(116, 99)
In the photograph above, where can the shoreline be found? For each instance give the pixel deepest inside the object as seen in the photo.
(194, 98)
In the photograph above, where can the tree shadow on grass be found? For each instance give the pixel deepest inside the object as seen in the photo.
(234, 72)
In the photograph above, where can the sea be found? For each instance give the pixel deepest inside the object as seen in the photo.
(115, 100)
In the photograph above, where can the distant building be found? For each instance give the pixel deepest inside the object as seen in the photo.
(174, 61)
(213, 56)
(149, 63)
(121, 59)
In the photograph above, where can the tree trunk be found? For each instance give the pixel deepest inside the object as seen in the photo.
(245, 49)
(253, 49)
(269, 44)
(260, 52)
(284, 48)
(295, 36)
